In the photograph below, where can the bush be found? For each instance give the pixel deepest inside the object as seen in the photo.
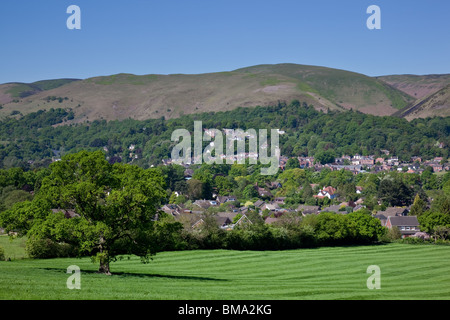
(46, 248)
(414, 240)
(392, 235)
(2, 254)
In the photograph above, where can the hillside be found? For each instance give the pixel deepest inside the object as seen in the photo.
(436, 104)
(417, 86)
(125, 96)
(15, 90)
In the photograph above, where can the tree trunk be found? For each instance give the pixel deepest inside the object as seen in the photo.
(104, 267)
(104, 257)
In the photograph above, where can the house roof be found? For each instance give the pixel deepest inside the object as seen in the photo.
(308, 209)
(270, 220)
(265, 193)
(330, 190)
(382, 219)
(222, 221)
(243, 219)
(271, 206)
(258, 203)
(205, 204)
(227, 214)
(358, 207)
(333, 208)
(393, 211)
(223, 199)
(404, 221)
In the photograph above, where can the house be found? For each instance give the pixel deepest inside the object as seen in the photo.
(204, 204)
(304, 209)
(172, 209)
(390, 212)
(187, 218)
(270, 206)
(188, 173)
(274, 185)
(225, 199)
(437, 167)
(407, 225)
(242, 221)
(243, 209)
(393, 161)
(306, 162)
(362, 160)
(270, 220)
(358, 207)
(328, 192)
(279, 200)
(228, 214)
(394, 211)
(222, 222)
(264, 193)
(259, 203)
(333, 208)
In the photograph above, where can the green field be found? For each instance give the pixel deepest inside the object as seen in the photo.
(407, 272)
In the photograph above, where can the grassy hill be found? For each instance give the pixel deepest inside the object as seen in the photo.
(13, 90)
(435, 104)
(124, 96)
(328, 273)
(417, 86)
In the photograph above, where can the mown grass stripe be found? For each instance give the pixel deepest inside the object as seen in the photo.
(407, 272)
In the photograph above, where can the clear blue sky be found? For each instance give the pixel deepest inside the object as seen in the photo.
(198, 36)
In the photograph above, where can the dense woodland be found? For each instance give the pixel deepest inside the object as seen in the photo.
(32, 140)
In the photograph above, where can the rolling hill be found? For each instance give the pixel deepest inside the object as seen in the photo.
(417, 86)
(140, 97)
(435, 104)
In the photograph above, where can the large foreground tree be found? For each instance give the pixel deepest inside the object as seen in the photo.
(113, 208)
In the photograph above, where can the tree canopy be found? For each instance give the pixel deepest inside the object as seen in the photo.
(114, 208)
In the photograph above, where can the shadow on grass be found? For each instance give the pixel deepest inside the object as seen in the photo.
(144, 275)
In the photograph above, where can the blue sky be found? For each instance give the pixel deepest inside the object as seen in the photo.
(198, 36)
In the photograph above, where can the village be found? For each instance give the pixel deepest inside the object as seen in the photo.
(229, 213)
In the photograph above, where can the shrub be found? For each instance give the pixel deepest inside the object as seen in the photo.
(392, 234)
(2, 254)
(414, 240)
(46, 248)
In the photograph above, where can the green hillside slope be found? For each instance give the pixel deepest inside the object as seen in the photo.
(140, 97)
